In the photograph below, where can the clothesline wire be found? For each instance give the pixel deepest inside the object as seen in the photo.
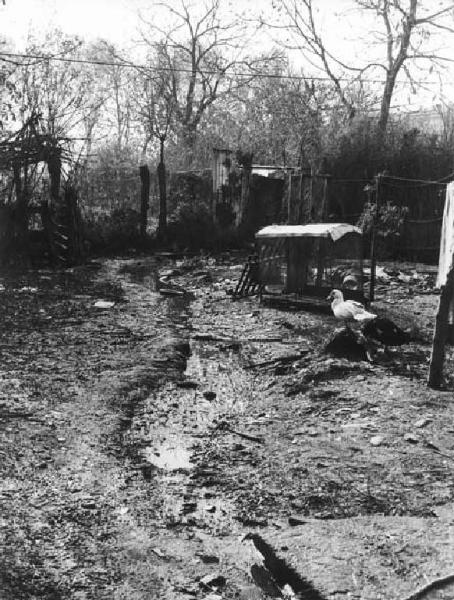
(423, 181)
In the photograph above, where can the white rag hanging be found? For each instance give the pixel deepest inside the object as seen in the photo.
(447, 237)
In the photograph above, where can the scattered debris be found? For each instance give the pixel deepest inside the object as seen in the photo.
(213, 581)
(208, 559)
(325, 370)
(377, 440)
(187, 384)
(159, 553)
(104, 304)
(251, 521)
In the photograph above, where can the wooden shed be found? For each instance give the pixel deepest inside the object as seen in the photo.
(308, 261)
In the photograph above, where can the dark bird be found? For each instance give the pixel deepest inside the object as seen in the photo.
(386, 332)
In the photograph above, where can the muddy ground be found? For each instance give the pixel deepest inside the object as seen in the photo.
(144, 437)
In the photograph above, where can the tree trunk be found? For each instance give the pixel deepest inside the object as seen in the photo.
(20, 212)
(189, 138)
(144, 172)
(435, 379)
(385, 107)
(162, 226)
(54, 168)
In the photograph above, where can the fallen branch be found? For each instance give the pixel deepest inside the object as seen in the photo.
(279, 359)
(224, 426)
(436, 449)
(209, 337)
(436, 584)
(15, 415)
(171, 292)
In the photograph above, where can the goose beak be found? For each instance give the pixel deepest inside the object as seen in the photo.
(330, 296)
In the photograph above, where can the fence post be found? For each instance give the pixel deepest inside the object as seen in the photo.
(289, 196)
(373, 244)
(144, 173)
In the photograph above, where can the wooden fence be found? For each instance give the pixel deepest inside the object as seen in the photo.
(420, 235)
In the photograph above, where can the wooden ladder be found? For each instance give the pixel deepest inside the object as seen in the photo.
(248, 284)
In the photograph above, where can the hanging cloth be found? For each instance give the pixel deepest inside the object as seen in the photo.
(447, 237)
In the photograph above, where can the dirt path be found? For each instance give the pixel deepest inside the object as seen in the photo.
(140, 443)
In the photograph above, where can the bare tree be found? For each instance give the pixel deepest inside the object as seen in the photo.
(205, 59)
(406, 34)
(280, 119)
(408, 26)
(59, 92)
(156, 110)
(118, 85)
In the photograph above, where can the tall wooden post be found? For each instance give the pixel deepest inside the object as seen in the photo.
(324, 207)
(373, 245)
(246, 173)
(144, 173)
(435, 379)
(54, 169)
(20, 216)
(289, 197)
(162, 224)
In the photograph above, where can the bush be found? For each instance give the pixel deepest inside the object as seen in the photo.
(191, 226)
(389, 221)
(115, 231)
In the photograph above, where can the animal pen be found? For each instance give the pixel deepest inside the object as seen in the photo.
(305, 262)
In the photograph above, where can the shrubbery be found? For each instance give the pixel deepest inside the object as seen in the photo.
(389, 221)
(115, 231)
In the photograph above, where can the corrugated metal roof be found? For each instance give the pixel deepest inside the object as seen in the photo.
(333, 230)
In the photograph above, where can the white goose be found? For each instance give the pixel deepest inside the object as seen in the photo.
(348, 310)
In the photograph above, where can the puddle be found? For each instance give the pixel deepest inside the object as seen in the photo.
(169, 456)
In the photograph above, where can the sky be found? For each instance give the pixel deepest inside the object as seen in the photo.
(117, 21)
